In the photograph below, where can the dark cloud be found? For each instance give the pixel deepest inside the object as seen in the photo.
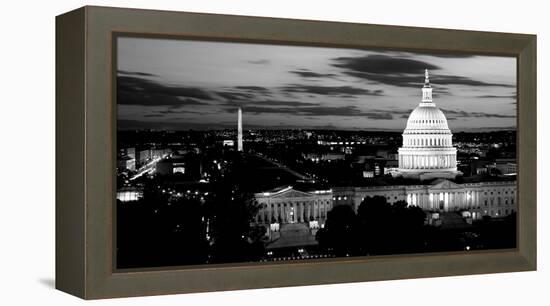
(497, 97)
(260, 62)
(179, 111)
(401, 112)
(379, 116)
(387, 114)
(396, 80)
(283, 103)
(310, 74)
(322, 111)
(140, 91)
(172, 110)
(232, 104)
(134, 73)
(416, 81)
(459, 80)
(258, 89)
(450, 55)
(240, 94)
(441, 54)
(228, 95)
(347, 91)
(306, 111)
(382, 64)
(400, 71)
(153, 99)
(346, 111)
(123, 124)
(269, 110)
(464, 114)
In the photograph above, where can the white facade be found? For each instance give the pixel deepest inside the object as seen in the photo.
(129, 194)
(292, 217)
(427, 150)
(290, 206)
(293, 206)
(495, 199)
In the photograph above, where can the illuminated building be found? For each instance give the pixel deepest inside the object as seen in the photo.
(126, 163)
(186, 167)
(506, 166)
(292, 217)
(495, 199)
(296, 213)
(128, 194)
(142, 157)
(427, 150)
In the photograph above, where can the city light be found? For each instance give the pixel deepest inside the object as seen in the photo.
(295, 180)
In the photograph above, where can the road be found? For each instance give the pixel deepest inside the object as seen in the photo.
(148, 168)
(281, 166)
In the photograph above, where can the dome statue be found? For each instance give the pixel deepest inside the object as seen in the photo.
(427, 150)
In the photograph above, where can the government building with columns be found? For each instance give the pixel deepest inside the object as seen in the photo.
(292, 217)
(495, 199)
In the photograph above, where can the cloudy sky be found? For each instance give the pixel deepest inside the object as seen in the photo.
(182, 84)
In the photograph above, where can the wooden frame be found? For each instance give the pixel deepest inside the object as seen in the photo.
(85, 153)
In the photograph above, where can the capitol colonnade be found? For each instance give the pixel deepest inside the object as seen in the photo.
(495, 199)
(292, 206)
(427, 162)
(288, 206)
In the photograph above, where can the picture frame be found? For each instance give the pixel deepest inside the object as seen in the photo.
(86, 153)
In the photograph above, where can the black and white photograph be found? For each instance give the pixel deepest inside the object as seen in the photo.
(237, 152)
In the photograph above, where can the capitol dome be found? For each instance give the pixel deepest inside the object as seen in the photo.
(427, 117)
(427, 150)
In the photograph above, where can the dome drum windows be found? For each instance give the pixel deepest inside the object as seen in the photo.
(426, 142)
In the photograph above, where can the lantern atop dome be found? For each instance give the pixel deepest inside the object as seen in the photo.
(427, 90)
(426, 79)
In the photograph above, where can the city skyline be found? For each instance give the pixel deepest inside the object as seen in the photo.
(200, 85)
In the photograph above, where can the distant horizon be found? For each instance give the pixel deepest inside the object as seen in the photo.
(478, 130)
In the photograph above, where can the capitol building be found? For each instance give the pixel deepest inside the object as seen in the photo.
(428, 162)
(427, 150)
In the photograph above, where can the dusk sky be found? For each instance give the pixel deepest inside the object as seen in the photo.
(182, 84)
